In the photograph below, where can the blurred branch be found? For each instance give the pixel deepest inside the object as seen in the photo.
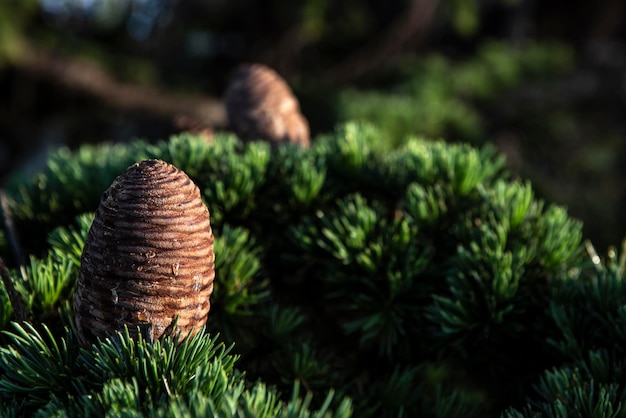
(19, 309)
(87, 77)
(608, 19)
(9, 228)
(282, 56)
(401, 34)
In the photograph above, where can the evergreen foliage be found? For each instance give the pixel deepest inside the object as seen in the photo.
(421, 281)
(589, 315)
(440, 98)
(44, 376)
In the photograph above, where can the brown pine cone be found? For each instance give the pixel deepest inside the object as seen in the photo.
(148, 261)
(261, 105)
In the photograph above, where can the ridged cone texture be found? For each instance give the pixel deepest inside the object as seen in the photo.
(261, 105)
(148, 261)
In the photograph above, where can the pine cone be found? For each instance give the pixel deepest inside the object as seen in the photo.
(261, 105)
(148, 261)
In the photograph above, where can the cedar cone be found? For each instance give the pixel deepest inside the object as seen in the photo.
(148, 261)
(261, 105)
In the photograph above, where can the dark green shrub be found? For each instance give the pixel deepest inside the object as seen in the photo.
(421, 281)
(590, 318)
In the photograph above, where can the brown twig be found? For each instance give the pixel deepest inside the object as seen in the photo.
(9, 227)
(16, 301)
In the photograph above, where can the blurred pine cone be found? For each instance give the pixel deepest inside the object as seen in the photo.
(261, 105)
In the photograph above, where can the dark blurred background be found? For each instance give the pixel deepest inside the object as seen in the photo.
(544, 81)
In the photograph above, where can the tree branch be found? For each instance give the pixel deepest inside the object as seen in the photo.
(411, 23)
(87, 77)
(9, 228)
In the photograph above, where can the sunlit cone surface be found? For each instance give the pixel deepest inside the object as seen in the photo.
(148, 259)
(261, 105)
